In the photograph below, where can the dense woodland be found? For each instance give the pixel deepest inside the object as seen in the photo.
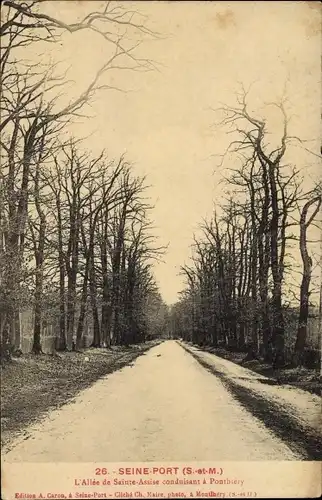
(76, 240)
(237, 294)
(76, 245)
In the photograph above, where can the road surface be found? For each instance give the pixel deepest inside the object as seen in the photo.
(165, 407)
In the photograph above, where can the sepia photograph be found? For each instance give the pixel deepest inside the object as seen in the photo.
(160, 249)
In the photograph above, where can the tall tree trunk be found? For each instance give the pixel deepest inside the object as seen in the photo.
(81, 319)
(17, 223)
(278, 318)
(106, 314)
(93, 297)
(305, 284)
(115, 320)
(253, 347)
(263, 242)
(39, 249)
(71, 300)
(36, 348)
(62, 345)
(106, 298)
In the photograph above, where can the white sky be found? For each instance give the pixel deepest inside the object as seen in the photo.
(164, 124)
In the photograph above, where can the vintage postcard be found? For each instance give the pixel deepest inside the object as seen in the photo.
(160, 249)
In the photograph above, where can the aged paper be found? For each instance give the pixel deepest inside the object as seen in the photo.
(160, 249)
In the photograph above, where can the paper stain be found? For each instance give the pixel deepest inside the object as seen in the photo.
(313, 22)
(313, 27)
(225, 19)
(314, 5)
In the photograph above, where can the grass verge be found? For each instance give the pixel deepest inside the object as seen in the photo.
(33, 385)
(303, 378)
(305, 441)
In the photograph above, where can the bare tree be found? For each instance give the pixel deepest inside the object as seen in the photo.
(235, 280)
(305, 222)
(30, 104)
(280, 195)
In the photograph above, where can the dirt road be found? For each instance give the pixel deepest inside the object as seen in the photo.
(165, 407)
